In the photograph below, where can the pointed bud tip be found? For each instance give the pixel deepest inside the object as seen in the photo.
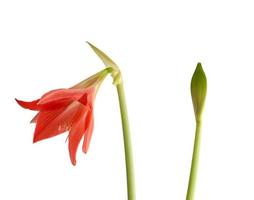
(199, 72)
(198, 90)
(199, 65)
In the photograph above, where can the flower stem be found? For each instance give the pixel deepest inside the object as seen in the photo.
(194, 165)
(127, 143)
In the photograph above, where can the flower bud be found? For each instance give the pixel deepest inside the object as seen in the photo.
(198, 91)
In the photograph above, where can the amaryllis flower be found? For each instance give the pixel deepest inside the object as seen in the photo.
(70, 110)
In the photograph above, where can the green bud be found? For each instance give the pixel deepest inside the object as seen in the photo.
(198, 91)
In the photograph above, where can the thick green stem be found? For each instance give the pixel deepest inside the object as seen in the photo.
(127, 143)
(194, 165)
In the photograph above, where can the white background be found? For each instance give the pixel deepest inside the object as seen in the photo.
(157, 44)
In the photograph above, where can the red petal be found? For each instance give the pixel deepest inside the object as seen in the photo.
(33, 105)
(54, 122)
(43, 120)
(62, 94)
(55, 104)
(76, 133)
(89, 131)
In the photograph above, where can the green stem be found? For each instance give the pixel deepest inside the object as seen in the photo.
(127, 143)
(194, 165)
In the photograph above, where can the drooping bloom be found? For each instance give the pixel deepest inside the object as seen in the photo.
(70, 110)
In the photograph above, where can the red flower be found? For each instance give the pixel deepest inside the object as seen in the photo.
(64, 110)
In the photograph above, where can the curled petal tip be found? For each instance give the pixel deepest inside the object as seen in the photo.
(19, 102)
(33, 105)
